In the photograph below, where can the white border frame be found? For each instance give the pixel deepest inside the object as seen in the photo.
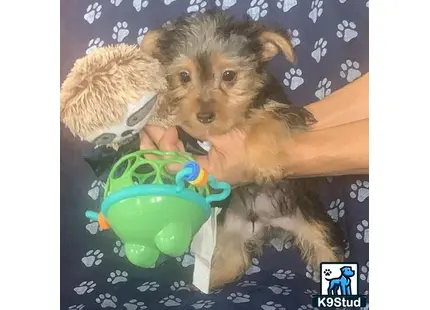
(400, 155)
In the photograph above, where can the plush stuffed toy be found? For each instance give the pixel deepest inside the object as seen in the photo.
(110, 94)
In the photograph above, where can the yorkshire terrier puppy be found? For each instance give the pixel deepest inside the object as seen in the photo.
(217, 75)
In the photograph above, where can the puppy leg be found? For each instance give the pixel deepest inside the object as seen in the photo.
(319, 238)
(238, 239)
(230, 260)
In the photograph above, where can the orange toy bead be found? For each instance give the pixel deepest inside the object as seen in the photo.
(102, 222)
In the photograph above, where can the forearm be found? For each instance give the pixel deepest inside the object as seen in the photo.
(348, 104)
(339, 150)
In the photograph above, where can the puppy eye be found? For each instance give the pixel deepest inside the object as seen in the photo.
(228, 76)
(185, 77)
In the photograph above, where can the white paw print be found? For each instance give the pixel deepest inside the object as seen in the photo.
(363, 231)
(133, 304)
(280, 290)
(336, 209)
(310, 292)
(360, 190)
(320, 50)
(293, 78)
(271, 305)
(286, 5)
(225, 4)
(92, 257)
(96, 187)
(140, 4)
(350, 70)
(107, 300)
(316, 10)
(367, 3)
(120, 31)
(117, 277)
(346, 31)
(186, 260)
(93, 44)
(196, 6)
(167, 25)
(342, 1)
(254, 267)
(94, 11)
(167, 2)
(119, 248)
(258, 8)
(306, 307)
(347, 250)
(93, 227)
(247, 283)
(278, 244)
(203, 304)
(149, 286)
(323, 91)
(365, 272)
(288, 244)
(141, 33)
(312, 274)
(295, 40)
(76, 307)
(179, 286)
(116, 2)
(85, 287)
(239, 298)
(282, 274)
(170, 301)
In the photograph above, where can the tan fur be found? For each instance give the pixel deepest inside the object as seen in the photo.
(149, 44)
(273, 43)
(310, 238)
(96, 92)
(265, 149)
(230, 259)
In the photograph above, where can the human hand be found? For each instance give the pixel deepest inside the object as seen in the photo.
(226, 161)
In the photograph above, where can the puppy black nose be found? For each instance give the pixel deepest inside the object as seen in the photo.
(206, 117)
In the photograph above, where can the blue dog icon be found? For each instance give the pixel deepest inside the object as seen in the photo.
(343, 282)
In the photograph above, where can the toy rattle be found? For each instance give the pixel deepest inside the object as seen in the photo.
(153, 211)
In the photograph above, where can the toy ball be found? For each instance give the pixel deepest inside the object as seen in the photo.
(153, 211)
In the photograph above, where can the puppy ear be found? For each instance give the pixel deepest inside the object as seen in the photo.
(149, 42)
(273, 43)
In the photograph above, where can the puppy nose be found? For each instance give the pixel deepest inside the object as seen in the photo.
(206, 117)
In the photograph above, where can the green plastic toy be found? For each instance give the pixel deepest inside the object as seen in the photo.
(153, 211)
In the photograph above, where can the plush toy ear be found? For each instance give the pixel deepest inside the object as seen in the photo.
(273, 43)
(149, 42)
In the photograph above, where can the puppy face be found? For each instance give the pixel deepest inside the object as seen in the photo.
(215, 68)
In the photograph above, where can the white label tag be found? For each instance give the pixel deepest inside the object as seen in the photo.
(202, 248)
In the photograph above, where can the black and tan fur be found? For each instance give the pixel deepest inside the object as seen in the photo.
(217, 81)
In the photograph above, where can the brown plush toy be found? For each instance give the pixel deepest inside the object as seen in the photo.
(110, 94)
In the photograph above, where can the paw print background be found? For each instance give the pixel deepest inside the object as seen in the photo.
(330, 39)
